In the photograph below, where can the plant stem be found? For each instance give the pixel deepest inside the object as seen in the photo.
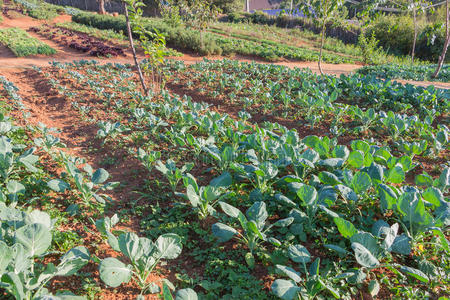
(447, 40)
(130, 38)
(322, 41)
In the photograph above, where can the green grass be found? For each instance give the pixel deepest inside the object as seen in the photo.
(22, 44)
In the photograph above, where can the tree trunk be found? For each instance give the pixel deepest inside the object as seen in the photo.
(415, 35)
(130, 39)
(247, 6)
(447, 40)
(292, 6)
(322, 41)
(101, 7)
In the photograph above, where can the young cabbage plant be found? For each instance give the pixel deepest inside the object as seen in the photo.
(25, 237)
(261, 176)
(148, 159)
(48, 141)
(223, 157)
(12, 159)
(296, 287)
(205, 198)
(143, 254)
(253, 228)
(88, 182)
(415, 219)
(367, 118)
(304, 212)
(412, 148)
(109, 131)
(172, 172)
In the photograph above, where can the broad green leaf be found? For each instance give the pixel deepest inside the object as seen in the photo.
(299, 254)
(336, 248)
(341, 151)
(224, 181)
(192, 196)
(35, 238)
(58, 185)
(129, 245)
(401, 245)
(347, 193)
(169, 246)
(307, 194)
(374, 287)
(14, 187)
(229, 209)
(100, 176)
(17, 287)
(332, 162)
(258, 213)
(72, 261)
(113, 272)
(37, 216)
(364, 257)
(433, 196)
(356, 159)
(444, 178)
(345, 227)
(289, 272)
(361, 182)
(223, 232)
(387, 196)
(167, 294)
(5, 257)
(314, 268)
(186, 294)
(424, 180)
(285, 289)
(328, 178)
(396, 175)
(368, 241)
(419, 275)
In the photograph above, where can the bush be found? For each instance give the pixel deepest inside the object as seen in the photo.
(431, 42)
(395, 34)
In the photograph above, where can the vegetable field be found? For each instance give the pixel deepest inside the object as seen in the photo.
(140, 175)
(228, 204)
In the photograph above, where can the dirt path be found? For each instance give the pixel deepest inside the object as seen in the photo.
(66, 54)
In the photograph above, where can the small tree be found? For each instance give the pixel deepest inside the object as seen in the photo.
(416, 7)
(199, 15)
(153, 43)
(324, 12)
(446, 43)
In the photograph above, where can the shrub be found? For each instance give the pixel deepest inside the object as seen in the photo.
(394, 33)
